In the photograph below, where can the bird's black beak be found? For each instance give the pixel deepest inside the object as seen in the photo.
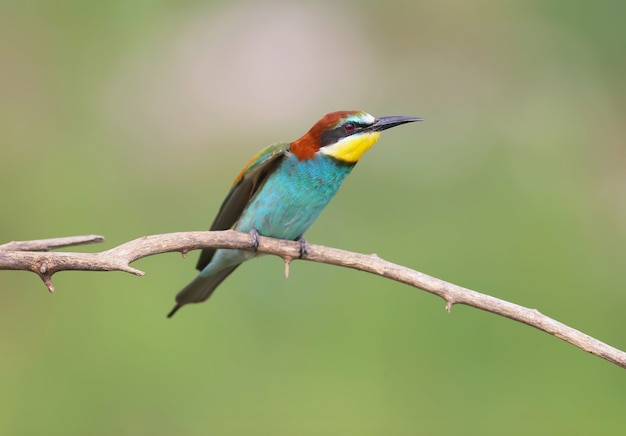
(384, 123)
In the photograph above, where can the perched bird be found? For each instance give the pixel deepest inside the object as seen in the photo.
(284, 188)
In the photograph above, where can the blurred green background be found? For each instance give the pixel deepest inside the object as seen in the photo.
(132, 118)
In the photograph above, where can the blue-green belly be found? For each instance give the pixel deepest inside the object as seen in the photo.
(293, 196)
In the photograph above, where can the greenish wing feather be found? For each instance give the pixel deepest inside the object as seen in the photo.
(245, 187)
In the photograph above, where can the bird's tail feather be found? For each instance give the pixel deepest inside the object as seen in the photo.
(200, 289)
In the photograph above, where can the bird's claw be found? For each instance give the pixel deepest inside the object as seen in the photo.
(304, 246)
(254, 236)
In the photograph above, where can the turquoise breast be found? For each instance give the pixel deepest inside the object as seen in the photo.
(293, 196)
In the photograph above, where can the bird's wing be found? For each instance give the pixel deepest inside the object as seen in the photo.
(244, 188)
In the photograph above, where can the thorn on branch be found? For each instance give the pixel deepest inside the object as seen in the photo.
(45, 275)
(449, 304)
(47, 280)
(287, 263)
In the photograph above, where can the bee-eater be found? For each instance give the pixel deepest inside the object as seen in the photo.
(284, 188)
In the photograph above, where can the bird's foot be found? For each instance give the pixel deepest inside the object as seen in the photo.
(254, 236)
(304, 246)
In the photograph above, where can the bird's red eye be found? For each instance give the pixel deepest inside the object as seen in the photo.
(349, 127)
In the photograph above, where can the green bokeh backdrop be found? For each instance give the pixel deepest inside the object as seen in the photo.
(131, 118)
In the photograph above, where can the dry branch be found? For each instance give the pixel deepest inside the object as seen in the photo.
(28, 256)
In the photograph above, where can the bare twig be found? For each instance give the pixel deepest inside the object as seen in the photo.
(51, 243)
(13, 257)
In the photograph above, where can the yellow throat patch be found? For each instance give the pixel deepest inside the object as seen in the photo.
(351, 149)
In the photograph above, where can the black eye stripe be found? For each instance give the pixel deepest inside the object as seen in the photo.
(342, 131)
